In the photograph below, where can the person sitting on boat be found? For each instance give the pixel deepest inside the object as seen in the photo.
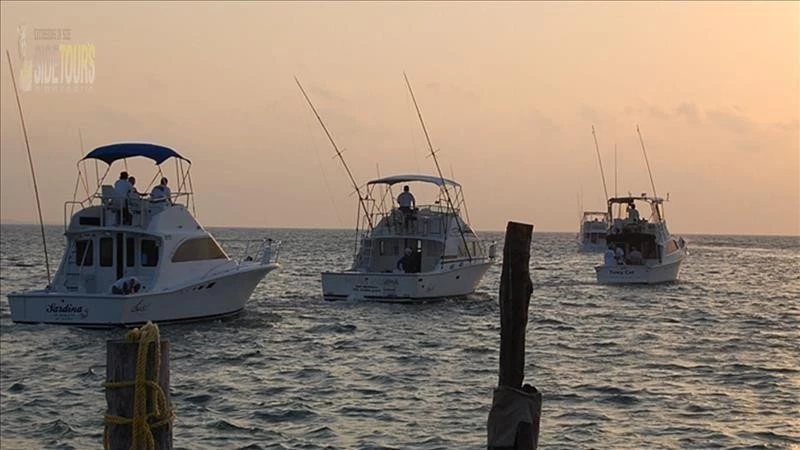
(620, 255)
(122, 188)
(407, 263)
(610, 256)
(132, 181)
(126, 286)
(161, 192)
(633, 214)
(635, 257)
(407, 204)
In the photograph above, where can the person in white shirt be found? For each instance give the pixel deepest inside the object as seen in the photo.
(133, 191)
(633, 214)
(610, 256)
(161, 192)
(635, 257)
(122, 188)
(620, 254)
(407, 204)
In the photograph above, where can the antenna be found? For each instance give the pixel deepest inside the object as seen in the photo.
(338, 153)
(600, 161)
(615, 169)
(438, 168)
(30, 161)
(82, 176)
(649, 172)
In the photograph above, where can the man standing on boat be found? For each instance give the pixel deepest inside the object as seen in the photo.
(122, 188)
(407, 204)
(633, 214)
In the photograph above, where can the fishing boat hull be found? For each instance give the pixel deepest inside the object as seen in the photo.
(211, 298)
(639, 274)
(403, 287)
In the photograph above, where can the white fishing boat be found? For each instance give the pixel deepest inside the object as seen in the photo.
(594, 224)
(641, 250)
(138, 258)
(408, 253)
(593, 229)
(429, 252)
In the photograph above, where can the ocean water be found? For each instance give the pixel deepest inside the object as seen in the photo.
(710, 362)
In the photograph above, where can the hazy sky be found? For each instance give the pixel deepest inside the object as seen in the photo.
(509, 92)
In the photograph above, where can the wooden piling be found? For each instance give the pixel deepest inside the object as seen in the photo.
(121, 369)
(516, 409)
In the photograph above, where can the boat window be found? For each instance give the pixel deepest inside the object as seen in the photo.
(149, 248)
(198, 249)
(106, 252)
(84, 252)
(130, 252)
(381, 249)
(672, 246)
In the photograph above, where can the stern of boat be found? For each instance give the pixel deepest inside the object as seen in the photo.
(404, 287)
(635, 274)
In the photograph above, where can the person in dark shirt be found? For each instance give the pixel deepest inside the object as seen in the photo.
(407, 263)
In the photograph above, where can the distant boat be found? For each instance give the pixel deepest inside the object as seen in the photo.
(594, 224)
(140, 258)
(593, 228)
(441, 254)
(647, 252)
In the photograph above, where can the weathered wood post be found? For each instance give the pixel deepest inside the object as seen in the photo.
(137, 393)
(516, 409)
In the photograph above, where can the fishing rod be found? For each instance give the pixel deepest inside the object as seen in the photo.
(96, 168)
(30, 161)
(82, 175)
(649, 172)
(600, 162)
(438, 168)
(338, 153)
(81, 178)
(615, 169)
(619, 206)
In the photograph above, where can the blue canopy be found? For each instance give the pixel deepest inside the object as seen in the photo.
(110, 153)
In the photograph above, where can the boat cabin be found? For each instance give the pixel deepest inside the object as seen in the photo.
(424, 236)
(152, 238)
(594, 226)
(642, 238)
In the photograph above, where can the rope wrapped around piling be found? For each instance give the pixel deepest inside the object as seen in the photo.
(142, 420)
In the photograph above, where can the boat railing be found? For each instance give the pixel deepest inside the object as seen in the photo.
(264, 250)
(140, 208)
(426, 220)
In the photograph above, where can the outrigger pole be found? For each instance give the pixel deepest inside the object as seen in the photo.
(438, 168)
(30, 161)
(96, 168)
(659, 211)
(600, 161)
(338, 153)
(649, 172)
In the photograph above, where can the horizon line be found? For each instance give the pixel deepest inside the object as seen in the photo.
(246, 227)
